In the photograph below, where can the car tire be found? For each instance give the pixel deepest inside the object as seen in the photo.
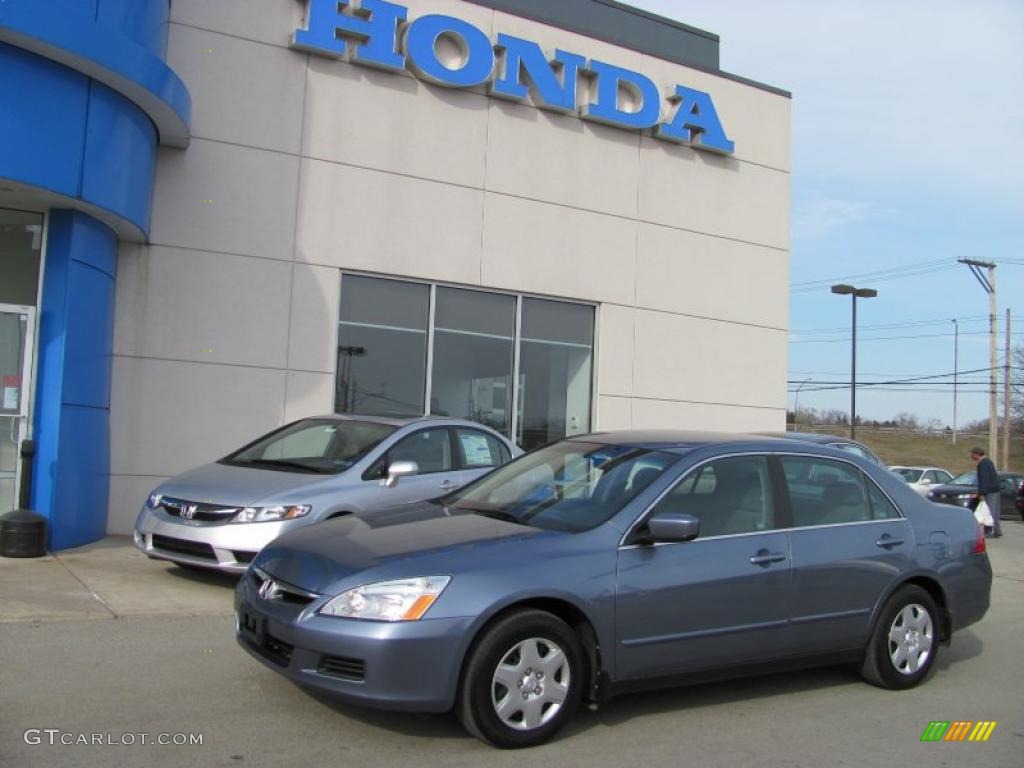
(522, 680)
(904, 642)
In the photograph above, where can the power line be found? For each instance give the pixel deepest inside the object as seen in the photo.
(878, 276)
(894, 338)
(891, 326)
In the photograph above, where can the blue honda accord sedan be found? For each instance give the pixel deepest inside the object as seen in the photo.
(611, 562)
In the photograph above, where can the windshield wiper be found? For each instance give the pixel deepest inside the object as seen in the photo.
(495, 514)
(286, 463)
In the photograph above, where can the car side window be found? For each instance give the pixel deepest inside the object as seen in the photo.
(479, 449)
(943, 477)
(728, 496)
(825, 492)
(931, 476)
(881, 507)
(1011, 483)
(431, 449)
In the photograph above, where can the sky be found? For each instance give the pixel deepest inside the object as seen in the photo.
(907, 155)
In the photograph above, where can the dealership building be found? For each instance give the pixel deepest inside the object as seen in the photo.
(219, 217)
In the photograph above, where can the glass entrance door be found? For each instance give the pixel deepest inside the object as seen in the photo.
(17, 340)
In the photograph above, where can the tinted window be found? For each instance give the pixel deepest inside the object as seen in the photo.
(569, 486)
(479, 449)
(555, 367)
(967, 478)
(881, 507)
(826, 492)
(910, 475)
(431, 449)
(472, 366)
(317, 445)
(382, 347)
(728, 496)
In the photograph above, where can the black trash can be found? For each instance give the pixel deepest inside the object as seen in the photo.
(22, 534)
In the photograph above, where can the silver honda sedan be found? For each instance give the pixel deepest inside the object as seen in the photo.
(221, 514)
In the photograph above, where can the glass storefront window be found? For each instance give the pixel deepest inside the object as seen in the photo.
(473, 344)
(382, 347)
(410, 348)
(21, 242)
(555, 371)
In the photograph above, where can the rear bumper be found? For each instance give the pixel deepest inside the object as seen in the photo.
(405, 666)
(971, 597)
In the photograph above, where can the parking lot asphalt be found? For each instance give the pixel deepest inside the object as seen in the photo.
(102, 643)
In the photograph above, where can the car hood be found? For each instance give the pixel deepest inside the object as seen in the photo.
(236, 486)
(947, 489)
(416, 540)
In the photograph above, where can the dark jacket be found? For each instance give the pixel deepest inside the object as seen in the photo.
(988, 478)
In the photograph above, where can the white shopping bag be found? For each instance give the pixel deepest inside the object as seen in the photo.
(983, 514)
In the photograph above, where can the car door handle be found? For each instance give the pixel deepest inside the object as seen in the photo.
(887, 541)
(764, 557)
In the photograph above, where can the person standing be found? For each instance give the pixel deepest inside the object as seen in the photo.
(989, 487)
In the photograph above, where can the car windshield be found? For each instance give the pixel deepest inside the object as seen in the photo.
(967, 478)
(322, 446)
(569, 486)
(910, 475)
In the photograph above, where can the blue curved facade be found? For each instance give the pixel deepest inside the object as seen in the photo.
(87, 100)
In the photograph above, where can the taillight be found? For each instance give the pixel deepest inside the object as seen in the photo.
(979, 540)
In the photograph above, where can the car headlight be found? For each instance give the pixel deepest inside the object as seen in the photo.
(270, 514)
(154, 500)
(401, 600)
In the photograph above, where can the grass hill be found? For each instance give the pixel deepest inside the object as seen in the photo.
(895, 446)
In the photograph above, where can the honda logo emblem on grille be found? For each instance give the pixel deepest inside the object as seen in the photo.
(188, 511)
(268, 590)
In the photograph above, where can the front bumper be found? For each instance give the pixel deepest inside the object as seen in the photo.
(407, 666)
(228, 547)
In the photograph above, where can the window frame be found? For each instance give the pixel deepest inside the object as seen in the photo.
(378, 469)
(503, 451)
(782, 512)
(865, 479)
(780, 517)
(519, 297)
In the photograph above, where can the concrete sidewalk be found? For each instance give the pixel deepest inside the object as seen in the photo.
(107, 580)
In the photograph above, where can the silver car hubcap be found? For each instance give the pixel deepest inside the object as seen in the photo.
(530, 684)
(910, 639)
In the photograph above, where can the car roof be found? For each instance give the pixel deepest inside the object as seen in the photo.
(675, 440)
(809, 437)
(917, 466)
(396, 421)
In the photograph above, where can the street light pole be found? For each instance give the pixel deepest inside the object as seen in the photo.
(864, 293)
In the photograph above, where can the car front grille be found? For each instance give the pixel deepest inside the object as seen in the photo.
(280, 592)
(339, 666)
(200, 512)
(183, 547)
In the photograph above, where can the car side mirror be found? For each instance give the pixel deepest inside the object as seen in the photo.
(398, 470)
(673, 526)
(926, 481)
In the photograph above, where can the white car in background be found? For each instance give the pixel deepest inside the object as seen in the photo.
(923, 478)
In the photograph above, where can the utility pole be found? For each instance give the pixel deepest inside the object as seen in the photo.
(1006, 397)
(956, 367)
(988, 284)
